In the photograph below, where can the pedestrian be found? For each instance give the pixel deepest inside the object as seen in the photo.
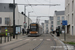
(63, 31)
(23, 31)
(57, 31)
(53, 32)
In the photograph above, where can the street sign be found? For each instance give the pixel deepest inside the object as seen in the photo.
(64, 22)
(5, 28)
(24, 22)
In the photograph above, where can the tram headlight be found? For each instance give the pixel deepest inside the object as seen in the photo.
(29, 32)
(36, 32)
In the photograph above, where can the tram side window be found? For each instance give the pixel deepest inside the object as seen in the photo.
(0, 29)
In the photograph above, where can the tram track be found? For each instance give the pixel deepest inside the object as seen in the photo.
(39, 44)
(15, 42)
(54, 42)
(23, 44)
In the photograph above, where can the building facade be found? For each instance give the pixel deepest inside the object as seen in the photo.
(51, 19)
(6, 16)
(70, 16)
(42, 26)
(59, 16)
(47, 26)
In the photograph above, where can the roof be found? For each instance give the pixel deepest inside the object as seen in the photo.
(46, 21)
(60, 12)
(42, 23)
(51, 17)
(6, 7)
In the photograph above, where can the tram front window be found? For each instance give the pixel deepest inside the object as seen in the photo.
(33, 29)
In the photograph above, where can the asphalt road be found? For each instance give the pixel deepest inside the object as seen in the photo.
(43, 42)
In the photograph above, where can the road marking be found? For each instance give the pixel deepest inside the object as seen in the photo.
(48, 39)
(55, 39)
(41, 39)
(27, 39)
(62, 39)
(34, 39)
(20, 39)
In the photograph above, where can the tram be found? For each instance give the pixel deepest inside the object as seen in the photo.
(35, 29)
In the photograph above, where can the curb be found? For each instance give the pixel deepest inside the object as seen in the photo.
(65, 48)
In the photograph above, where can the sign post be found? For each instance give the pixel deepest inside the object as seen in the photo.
(64, 23)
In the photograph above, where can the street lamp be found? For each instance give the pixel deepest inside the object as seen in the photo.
(28, 17)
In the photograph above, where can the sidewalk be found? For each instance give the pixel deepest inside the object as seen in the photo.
(69, 38)
(16, 37)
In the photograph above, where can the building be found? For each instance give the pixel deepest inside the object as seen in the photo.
(47, 26)
(70, 13)
(58, 17)
(51, 19)
(6, 17)
(42, 26)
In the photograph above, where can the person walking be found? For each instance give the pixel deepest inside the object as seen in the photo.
(57, 31)
(23, 31)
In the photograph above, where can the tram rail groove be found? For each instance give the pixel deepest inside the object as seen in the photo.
(23, 44)
(54, 42)
(61, 42)
(39, 44)
(13, 42)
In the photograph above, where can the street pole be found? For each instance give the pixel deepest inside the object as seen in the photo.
(24, 16)
(24, 9)
(28, 20)
(14, 19)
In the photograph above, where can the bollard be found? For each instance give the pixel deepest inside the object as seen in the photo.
(1, 39)
(5, 39)
(16, 36)
(8, 38)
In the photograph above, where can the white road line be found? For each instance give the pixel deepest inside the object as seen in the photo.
(27, 39)
(20, 39)
(48, 39)
(34, 39)
(41, 39)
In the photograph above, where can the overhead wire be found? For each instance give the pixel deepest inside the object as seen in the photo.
(37, 1)
(49, 7)
(32, 7)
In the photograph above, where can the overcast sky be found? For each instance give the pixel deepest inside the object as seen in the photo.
(39, 10)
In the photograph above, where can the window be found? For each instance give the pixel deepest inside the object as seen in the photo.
(47, 28)
(51, 22)
(0, 28)
(51, 25)
(72, 18)
(0, 20)
(46, 24)
(68, 7)
(58, 22)
(51, 18)
(58, 18)
(7, 21)
(72, 5)
(63, 18)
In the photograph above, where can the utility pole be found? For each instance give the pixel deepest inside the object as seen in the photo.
(24, 17)
(28, 18)
(14, 19)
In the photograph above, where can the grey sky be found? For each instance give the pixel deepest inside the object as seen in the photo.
(39, 10)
